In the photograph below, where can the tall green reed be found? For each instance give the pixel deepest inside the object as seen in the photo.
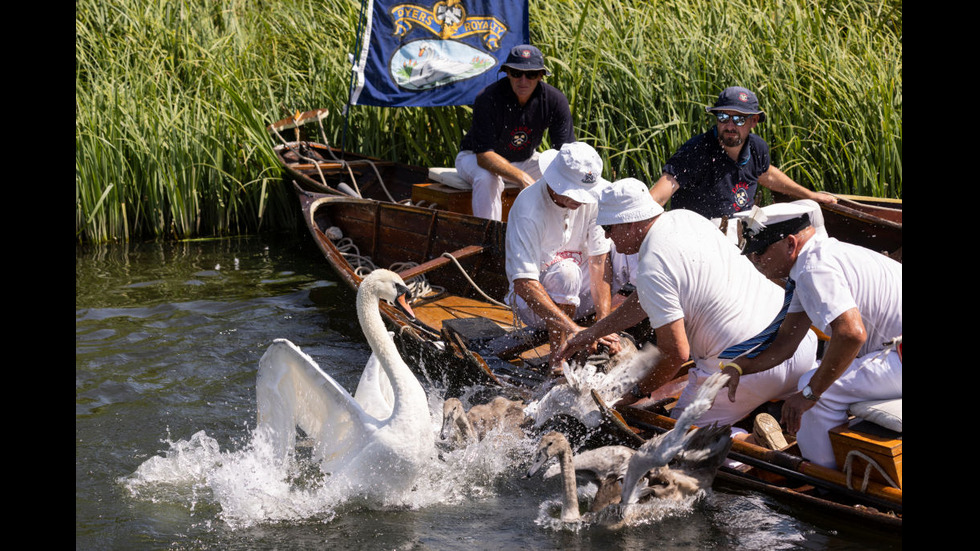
(172, 97)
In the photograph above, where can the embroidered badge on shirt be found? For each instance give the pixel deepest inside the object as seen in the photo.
(741, 193)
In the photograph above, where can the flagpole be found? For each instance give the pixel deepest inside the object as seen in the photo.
(350, 88)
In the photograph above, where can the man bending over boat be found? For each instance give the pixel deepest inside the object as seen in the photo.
(556, 254)
(510, 117)
(717, 173)
(705, 302)
(850, 293)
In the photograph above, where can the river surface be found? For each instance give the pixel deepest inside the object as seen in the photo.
(167, 343)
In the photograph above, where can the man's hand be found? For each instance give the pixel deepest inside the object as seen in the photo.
(575, 342)
(793, 409)
(824, 197)
(734, 375)
(613, 343)
(526, 180)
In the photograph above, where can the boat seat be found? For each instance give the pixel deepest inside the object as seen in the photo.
(886, 413)
(449, 177)
(869, 446)
(449, 191)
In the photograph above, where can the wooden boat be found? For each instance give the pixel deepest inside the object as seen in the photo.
(859, 493)
(875, 223)
(316, 166)
(463, 332)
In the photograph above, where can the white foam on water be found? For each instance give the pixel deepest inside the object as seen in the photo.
(613, 516)
(254, 485)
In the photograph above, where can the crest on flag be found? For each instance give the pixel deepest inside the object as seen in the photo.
(434, 53)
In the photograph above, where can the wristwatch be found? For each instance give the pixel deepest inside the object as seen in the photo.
(808, 394)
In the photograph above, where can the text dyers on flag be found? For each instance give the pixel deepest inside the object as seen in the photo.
(431, 53)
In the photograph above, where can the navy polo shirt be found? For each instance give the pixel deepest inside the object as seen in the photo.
(513, 131)
(711, 183)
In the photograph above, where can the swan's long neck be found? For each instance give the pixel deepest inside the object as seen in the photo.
(569, 505)
(403, 382)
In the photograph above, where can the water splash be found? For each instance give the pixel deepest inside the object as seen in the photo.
(254, 485)
(614, 516)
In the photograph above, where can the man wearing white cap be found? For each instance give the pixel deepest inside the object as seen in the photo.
(850, 293)
(556, 254)
(705, 302)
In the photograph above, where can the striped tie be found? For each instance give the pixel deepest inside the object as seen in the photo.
(752, 347)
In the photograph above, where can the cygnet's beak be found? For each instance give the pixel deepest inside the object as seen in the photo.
(540, 459)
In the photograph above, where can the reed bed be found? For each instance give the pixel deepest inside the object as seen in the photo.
(172, 98)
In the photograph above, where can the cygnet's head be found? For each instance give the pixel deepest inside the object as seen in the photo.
(552, 444)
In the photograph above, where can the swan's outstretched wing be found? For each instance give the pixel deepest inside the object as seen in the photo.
(597, 464)
(374, 391)
(628, 370)
(705, 453)
(658, 451)
(293, 391)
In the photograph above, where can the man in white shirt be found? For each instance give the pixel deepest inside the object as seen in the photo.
(556, 254)
(850, 293)
(705, 302)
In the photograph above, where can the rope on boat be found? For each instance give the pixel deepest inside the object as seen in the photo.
(867, 470)
(345, 164)
(363, 265)
(473, 283)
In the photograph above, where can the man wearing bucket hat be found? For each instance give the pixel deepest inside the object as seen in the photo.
(704, 300)
(717, 173)
(510, 117)
(555, 252)
(850, 293)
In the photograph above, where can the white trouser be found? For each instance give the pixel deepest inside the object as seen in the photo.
(566, 283)
(874, 376)
(487, 186)
(753, 390)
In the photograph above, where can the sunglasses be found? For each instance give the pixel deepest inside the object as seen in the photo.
(606, 228)
(739, 120)
(530, 75)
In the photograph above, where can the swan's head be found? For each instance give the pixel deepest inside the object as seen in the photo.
(389, 286)
(452, 411)
(552, 444)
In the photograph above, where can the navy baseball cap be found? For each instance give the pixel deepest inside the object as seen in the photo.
(738, 99)
(525, 58)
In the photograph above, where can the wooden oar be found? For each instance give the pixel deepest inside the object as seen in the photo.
(836, 479)
(430, 265)
(299, 119)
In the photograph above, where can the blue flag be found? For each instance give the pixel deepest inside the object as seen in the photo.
(434, 52)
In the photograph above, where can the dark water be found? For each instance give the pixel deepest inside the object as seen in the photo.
(167, 343)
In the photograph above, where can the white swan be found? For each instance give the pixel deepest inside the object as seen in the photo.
(376, 454)
(374, 391)
(473, 425)
(574, 395)
(644, 475)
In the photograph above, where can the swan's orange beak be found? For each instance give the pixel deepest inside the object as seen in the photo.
(404, 304)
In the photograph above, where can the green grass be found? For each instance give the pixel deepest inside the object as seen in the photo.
(172, 97)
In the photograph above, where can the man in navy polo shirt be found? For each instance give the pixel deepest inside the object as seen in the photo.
(716, 173)
(510, 117)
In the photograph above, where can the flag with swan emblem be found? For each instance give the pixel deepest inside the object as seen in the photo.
(426, 53)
